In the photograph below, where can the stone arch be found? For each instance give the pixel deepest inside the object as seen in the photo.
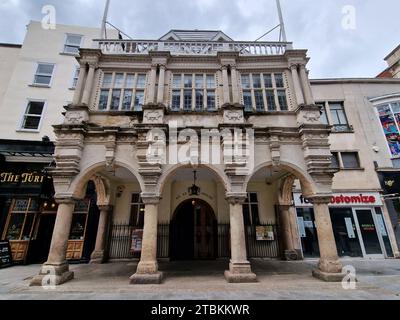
(170, 171)
(307, 183)
(80, 182)
(285, 195)
(102, 189)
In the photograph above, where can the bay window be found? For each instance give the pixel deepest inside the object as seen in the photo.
(193, 92)
(122, 92)
(264, 92)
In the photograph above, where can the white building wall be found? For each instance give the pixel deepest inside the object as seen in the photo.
(9, 55)
(41, 46)
(367, 133)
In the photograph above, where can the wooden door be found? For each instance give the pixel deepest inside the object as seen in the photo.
(204, 232)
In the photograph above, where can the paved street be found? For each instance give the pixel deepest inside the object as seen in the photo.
(204, 280)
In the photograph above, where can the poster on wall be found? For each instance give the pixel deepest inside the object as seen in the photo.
(302, 227)
(390, 129)
(137, 237)
(265, 233)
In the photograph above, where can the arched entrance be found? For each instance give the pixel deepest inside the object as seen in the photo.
(193, 234)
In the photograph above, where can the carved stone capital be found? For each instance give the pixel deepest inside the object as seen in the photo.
(150, 198)
(236, 198)
(65, 200)
(105, 208)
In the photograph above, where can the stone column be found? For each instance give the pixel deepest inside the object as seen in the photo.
(56, 269)
(225, 80)
(147, 270)
(286, 232)
(296, 83)
(79, 85)
(98, 255)
(329, 267)
(161, 85)
(239, 267)
(152, 85)
(89, 84)
(306, 85)
(235, 89)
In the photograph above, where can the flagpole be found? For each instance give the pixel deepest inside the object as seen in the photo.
(282, 23)
(104, 21)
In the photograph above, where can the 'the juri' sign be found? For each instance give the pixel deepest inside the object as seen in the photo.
(24, 178)
(343, 199)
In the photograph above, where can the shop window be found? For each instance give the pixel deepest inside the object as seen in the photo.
(44, 74)
(350, 160)
(264, 92)
(21, 219)
(137, 212)
(193, 92)
(72, 43)
(389, 116)
(251, 210)
(32, 116)
(79, 220)
(122, 92)
(383, 231)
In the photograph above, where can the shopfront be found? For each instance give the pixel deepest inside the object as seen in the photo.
(27, 208)
(358, 223)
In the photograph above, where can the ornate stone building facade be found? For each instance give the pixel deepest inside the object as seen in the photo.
(134, 97)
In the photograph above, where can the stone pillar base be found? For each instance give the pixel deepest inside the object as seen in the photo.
(146, 278)
(51, 274)
(97, 257)
(292, 255)
(328, 277)
(240, 272)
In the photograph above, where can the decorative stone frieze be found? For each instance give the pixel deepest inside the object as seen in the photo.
(233, 114)
(111, 145)
(153, 114)
(76, 114)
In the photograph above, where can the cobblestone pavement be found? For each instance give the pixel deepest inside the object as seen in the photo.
(378, 279)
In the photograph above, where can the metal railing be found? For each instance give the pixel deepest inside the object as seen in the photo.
(255, 248)
(121, 241)
(261, 249)
(137, 47)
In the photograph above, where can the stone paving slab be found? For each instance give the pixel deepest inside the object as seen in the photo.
(204, 281)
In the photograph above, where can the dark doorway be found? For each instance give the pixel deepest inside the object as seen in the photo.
(193, 232)
(41, 246)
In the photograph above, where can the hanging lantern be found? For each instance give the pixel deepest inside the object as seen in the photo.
(194, 190)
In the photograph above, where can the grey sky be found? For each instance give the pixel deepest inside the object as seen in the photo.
(311, 24)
